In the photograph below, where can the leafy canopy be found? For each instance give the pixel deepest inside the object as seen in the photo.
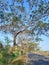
(31, 15)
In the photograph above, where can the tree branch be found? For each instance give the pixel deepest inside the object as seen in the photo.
(19, 32)
(46, 34)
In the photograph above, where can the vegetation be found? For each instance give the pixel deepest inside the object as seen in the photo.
(18, 55)
(9, 56)
(45, 53)
(28, 19)
(15, 17)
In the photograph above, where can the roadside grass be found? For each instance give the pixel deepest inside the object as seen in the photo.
(45, 53)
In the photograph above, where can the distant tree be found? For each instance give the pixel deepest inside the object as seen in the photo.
(17, 16)
(33, 46)
(7, 41)
(1, 45)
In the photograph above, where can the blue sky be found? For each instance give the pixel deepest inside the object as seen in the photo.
(43, 44)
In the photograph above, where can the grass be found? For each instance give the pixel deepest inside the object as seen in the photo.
(45, 53)
(8, 56)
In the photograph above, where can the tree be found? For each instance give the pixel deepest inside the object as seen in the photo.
(1, 45)
(14, 15)
(33, 46)
(7, 41)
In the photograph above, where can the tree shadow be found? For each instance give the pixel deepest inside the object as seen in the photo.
(38, 60)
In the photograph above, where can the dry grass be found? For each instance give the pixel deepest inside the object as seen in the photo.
(45, 53)
(20, 59)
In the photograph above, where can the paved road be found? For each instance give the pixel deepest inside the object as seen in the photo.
(35, 59)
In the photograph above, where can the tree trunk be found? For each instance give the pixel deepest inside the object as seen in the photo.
(15, 35)
(14, 40)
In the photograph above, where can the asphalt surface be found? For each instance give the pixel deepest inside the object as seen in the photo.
(36, 59)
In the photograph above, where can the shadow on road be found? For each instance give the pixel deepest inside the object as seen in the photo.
(36, 59)
(39, 62)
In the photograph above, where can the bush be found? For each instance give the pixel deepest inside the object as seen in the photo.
(6, 58)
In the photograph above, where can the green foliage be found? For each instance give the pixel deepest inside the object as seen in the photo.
(38, 39)
(15, 19)
(15, 54)
(16, 16)
(33, 46)
(19, 62)
(18, 12)
(1, 56)
(12, 56)
(8, 41)
(1, 15)
(5, 56)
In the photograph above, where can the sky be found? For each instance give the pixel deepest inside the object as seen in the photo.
(43, 44)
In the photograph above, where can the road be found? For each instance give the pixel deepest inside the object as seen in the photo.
(36, 59)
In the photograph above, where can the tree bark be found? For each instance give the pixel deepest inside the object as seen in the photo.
(15, 35)
(14, 40)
